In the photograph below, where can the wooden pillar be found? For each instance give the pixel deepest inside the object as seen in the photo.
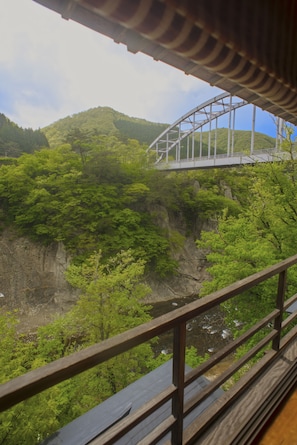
(178, 377)
(282, 280)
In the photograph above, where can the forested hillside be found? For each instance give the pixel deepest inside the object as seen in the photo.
(97, 193)
(88, 125)
(104, 196)
(102, 199)
(15, 140)
(106, 121)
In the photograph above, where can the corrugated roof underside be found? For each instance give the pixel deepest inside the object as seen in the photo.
(245, 47)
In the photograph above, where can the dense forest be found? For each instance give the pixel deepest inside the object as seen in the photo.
(95, 189)
(104, 121)
(15, 140)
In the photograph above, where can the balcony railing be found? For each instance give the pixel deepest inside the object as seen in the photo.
(274, 342)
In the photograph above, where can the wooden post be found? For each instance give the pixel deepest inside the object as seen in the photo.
(282, 280)
(178, 377)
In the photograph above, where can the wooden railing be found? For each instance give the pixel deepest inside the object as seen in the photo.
(40, 379)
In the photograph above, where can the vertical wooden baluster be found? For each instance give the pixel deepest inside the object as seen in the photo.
(178, 377)
(282, 280)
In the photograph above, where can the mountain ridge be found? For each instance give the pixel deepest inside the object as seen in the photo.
(104, 120)
(107, 121)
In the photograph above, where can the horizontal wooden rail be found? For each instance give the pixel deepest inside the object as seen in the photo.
(32, 383)
(228, 373)
(49, 375)
(158, 433)
(290, 301)
(201, 424)
(111, 435)
(289, 320)
(228, 349)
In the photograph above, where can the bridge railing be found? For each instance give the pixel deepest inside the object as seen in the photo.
(264, 151)
(223, 160)
(40, 379)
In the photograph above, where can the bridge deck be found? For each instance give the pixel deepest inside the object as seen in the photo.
(221, 161)
(242, 422)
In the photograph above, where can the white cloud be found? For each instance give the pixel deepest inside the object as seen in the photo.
(50, 68)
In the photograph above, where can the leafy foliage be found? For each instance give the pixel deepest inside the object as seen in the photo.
(54, 195)
(95, 192)
(263, 233)
(110, 303)
(96, 280)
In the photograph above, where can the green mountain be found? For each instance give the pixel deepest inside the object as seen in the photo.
(104, 120)
(242, 140)
(88, 125)
(239, 142)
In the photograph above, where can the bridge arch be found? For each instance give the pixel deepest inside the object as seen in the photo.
(180, 140)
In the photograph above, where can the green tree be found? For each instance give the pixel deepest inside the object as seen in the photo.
(110, 303)
(108, 288)
(264, 233)
(236, 250)
(90, 203)
(15, 140)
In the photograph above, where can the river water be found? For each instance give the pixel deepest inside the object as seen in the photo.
(207, 333)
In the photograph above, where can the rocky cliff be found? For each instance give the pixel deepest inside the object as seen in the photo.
(32, 278)
(32, 275)
(192, 264)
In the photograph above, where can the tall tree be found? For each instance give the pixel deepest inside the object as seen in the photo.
(110, 303)
(108, 288)
(264, 233)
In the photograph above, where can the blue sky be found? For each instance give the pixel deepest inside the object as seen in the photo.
(51, 68)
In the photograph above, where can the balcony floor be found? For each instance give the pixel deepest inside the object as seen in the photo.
(242, 423)
(281, 428)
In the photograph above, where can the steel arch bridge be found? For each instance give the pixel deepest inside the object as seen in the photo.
(192, 141)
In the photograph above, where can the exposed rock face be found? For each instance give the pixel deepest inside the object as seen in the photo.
(192, 264)
(188, 280)
(32, 276)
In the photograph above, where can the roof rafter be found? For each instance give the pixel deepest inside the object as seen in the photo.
(238, 45)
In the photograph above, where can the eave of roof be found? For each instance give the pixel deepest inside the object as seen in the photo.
(245, 47)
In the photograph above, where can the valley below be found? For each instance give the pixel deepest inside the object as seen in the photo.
(34, 286)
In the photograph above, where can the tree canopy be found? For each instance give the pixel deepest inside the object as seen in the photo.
(263, 234)
(15, 140)
(102, 194)
(98, 194)
(110, 303)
